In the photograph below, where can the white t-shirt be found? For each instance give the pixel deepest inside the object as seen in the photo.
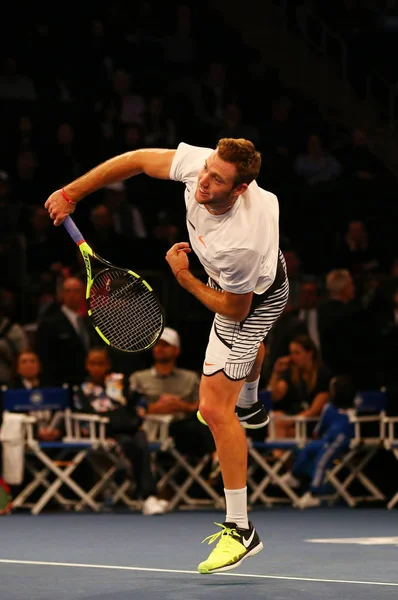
(238, 249)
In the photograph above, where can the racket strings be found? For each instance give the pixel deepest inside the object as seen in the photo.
(125, 311)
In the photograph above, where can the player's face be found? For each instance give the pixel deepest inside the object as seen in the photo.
(216, 188)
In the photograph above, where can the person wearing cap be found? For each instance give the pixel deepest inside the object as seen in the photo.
(168, 389)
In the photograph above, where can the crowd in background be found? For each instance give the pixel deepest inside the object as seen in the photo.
(143, 75)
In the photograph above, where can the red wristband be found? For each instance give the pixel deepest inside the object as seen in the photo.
(179, 271)
(65, 196)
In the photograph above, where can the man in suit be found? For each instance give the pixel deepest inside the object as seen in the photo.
(64, 337)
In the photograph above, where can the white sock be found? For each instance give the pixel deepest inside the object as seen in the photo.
(236, 501)
(248, 394)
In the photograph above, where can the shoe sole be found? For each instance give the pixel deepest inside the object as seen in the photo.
(254, 426)
(253, 552)
(242, 422)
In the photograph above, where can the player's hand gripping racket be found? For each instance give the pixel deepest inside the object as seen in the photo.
(122, 306)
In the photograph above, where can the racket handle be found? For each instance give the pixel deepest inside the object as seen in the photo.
(73, 231)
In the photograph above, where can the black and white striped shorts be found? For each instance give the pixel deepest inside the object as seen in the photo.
(233, 346)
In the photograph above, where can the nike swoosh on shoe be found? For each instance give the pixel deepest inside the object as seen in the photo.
(246, 542)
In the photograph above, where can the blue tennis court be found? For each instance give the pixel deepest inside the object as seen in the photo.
(320, 553)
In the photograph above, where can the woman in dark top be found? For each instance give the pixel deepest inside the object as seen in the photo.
(299, 384)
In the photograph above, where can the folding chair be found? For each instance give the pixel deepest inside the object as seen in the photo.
(391, 443)
(104, 457)
(44, 460)
(157, 429)
(368, 419)
(271, 469)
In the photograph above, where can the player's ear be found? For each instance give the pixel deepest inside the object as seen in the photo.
(241, 188)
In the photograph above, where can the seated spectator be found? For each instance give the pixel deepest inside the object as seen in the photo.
(299, 384)
(29, 376)
(63, 336)
(334, 433)
(170, 390)
(13, 338)
(102, 394)
(316, 165)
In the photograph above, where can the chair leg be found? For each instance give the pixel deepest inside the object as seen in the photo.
(272, 476)
(63, 477)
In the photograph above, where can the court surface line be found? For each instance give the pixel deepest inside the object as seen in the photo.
(186, 572)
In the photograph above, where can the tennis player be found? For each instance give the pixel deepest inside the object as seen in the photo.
(233, 229)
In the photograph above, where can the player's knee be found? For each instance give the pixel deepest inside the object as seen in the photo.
(215, 413)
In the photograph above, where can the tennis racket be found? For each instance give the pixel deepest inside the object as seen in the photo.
(5, 498)
(121, 305)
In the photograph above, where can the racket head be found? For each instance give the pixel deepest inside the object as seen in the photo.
(5, 498)
(125, 310)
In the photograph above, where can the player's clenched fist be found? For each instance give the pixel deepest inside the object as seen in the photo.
(177, 257)
(58, 208)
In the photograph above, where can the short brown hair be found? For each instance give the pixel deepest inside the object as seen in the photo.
(243, 155)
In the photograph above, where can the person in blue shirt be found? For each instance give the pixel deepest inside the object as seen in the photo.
(333, 434)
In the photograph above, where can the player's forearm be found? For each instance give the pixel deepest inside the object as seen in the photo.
(213, 299)
(153, 162)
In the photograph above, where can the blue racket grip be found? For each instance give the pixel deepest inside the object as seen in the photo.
(73, 231)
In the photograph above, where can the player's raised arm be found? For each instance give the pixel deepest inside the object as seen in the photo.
(155, 162)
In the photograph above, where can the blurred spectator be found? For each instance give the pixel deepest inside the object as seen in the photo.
(109, 127)
(280, 131)
(350, 339)
(126, 218)
(102, 393)
(358, 161)
(160, 129)
(170, 390)
(131, 104)
(102, 236)
(316, 165)
(13, 338)
(286, 328)
(29, 376)
(179, 48)
(10, 207)
(64, 337)
(234, 125)
(30, 181)
(15, 85)
(354, 252)
(299, 384)
(42, 243)
(213, 95)
(65, 159)
(308, 309)
(294, 273)
(333, 434)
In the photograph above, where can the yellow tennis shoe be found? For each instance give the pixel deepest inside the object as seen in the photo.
(233, 547)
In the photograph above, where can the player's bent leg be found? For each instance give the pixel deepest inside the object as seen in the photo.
(238, 539)
(218, 396)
